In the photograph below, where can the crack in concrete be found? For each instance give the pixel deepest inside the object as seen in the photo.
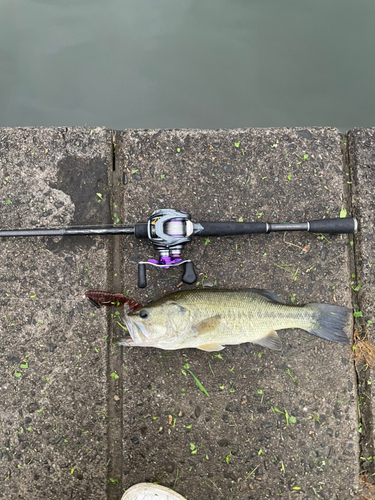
(114, 361)
(365, 427)
(114, 151)
(63, 134)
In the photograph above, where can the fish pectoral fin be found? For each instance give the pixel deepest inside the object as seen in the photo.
(207, 325)
(271, 340)
(211, 347)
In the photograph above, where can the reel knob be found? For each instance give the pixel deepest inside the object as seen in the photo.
(189, 277)
(142, 280)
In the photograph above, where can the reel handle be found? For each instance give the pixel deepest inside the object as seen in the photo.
(189, 277)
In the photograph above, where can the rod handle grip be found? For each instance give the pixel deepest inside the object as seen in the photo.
(231, 228)
(140, 230)
(346, 225)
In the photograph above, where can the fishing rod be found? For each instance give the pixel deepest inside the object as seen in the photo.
(170, 230)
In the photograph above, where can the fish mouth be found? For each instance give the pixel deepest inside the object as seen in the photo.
(137, 332)
(140, 336)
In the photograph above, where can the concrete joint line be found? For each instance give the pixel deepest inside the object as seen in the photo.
(363, 374)
(114, 360)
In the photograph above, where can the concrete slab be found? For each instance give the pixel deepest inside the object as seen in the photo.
(53, 352)
(361, 144)
(239, 443)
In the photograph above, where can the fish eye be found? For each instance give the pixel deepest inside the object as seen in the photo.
(143, 314)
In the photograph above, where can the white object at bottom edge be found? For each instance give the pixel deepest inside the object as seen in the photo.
(149, 491)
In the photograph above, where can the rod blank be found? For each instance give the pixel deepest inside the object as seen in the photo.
(339, 226)
(66, 231)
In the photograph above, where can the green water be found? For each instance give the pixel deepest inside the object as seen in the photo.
(187, 63)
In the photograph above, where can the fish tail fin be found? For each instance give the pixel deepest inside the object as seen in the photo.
(332, 323)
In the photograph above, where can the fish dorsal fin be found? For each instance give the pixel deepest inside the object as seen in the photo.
(267, 294)
(207, 324)
(271, 340)
(210, 347)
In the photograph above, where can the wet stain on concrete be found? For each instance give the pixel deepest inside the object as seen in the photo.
(84, 180)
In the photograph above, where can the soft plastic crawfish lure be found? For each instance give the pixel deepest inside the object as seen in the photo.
(99, 298)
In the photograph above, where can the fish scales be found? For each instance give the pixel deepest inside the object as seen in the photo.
(245, 316)
(210, 319)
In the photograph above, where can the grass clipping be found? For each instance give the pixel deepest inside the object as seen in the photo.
(363, 351)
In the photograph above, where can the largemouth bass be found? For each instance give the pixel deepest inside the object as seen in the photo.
(211, 319)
